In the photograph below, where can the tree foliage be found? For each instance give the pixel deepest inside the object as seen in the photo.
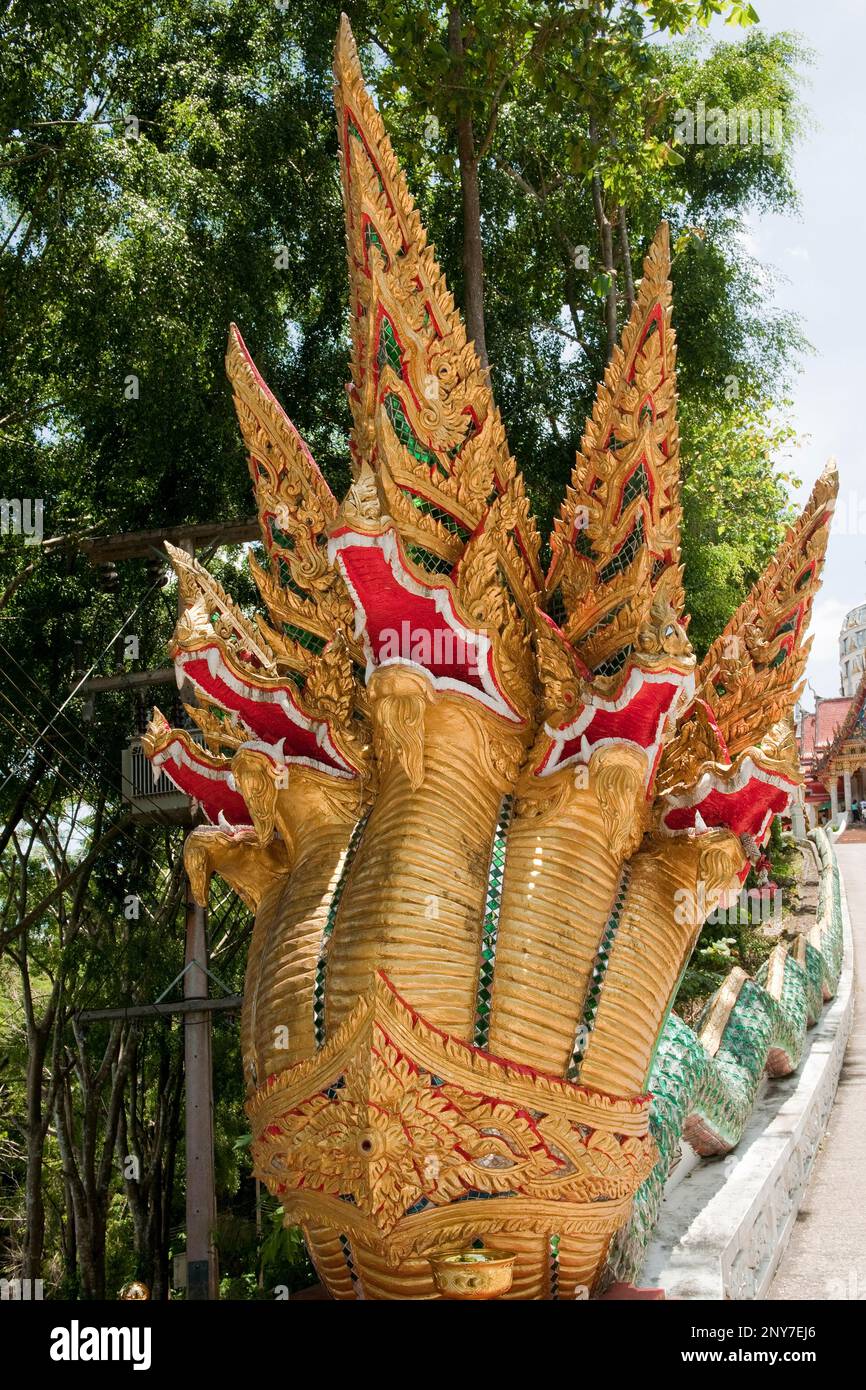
(167, 166)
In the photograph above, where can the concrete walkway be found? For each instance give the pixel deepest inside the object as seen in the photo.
(826, 1255)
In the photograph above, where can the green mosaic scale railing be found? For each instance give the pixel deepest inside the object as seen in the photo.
(327, 931)
(596, 979)
(719, 1092)
(490, 929)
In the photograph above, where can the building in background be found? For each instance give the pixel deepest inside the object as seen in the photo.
(852, 650)
(815, 736)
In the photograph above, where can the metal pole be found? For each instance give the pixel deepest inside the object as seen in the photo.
(232, 1003)
(201, 1263)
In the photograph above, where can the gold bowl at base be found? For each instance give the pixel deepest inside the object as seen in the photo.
(471, 1273)
(136, 1292)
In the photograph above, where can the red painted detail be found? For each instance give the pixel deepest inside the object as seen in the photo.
(349, 115)
(636, 722)
(266, 719)
(395, 615)
(263, 386)
(214, 793)
(743, 811)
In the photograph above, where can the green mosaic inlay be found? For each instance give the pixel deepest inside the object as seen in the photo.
(390, 353)
(288, 581)
(346, 1247)
(804, 577)
(596, 979)
(556, 606)
(310, 640)
(490, 929)
(428, 560)
(439, 514)
(614, 664)
(637, 486)
(327, 930)
(406, 435)
(582, 544)
(372, 238)
(554, 1267)
(279, 537)
(626, 554)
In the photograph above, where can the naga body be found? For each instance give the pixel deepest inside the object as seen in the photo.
(467, 797)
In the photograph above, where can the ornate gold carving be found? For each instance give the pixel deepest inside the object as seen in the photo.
(360, 507)
(239, 857)
(483, 881)
(398, 699)
(750, 675)
(208, 610)
(616, 540)
(256, 776)
(618, 776)
(392, 1111)
(219, 732)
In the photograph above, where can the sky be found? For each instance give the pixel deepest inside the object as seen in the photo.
(817, 253)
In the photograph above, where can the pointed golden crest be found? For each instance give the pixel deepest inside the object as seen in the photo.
(220, 730)
(750, 675)
(255, 658)
(295, 507)
(446, 454)
(616, 540)
(209, 610)
(697, 744)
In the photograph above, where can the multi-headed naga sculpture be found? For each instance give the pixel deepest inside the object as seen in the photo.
(466, 798)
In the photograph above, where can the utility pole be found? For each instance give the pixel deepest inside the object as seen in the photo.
(201, 1258)
(202, 1281)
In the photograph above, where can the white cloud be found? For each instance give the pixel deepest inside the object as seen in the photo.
(827, 617)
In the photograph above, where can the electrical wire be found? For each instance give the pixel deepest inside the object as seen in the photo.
(108, 777)
(64, 759)
(89, 672)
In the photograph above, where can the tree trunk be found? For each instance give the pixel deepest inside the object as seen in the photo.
(87, 1139)
(34, 1205)
(605, 236)
(625, 247)
(473, 255)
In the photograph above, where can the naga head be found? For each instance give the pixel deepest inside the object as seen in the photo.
(470, 791)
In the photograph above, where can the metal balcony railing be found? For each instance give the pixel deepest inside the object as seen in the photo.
(150, 797)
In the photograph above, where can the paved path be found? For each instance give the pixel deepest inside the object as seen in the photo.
(826, 1256)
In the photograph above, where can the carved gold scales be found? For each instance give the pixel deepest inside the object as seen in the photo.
(467, 800)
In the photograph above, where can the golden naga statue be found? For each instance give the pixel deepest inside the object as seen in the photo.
(463, 796)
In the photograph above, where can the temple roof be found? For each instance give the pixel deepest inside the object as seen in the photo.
(829, 714)
(807, 737)
(818, 731)
(848, 724)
